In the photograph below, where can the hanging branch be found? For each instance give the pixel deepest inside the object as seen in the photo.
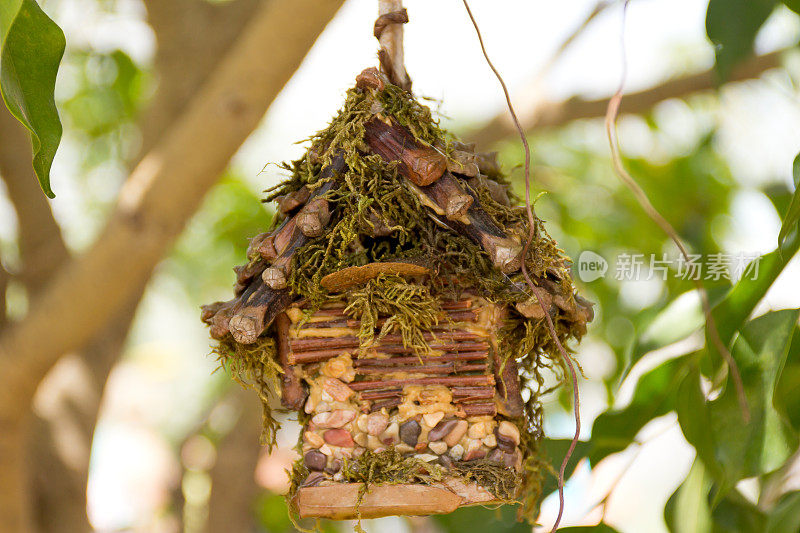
(389, 32)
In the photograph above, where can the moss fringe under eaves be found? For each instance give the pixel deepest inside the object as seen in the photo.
(255, 366)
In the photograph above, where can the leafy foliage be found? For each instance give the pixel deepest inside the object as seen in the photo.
(792, 217)
(31, 49)
(732, 26)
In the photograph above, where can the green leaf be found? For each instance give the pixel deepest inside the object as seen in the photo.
(555, 450)
(787, 392)
(732, 25)
(730, 449)
(785, 517)
(599, 528)
(793, 214)
(31, 49)
(687, 510)
(655, 395)
(732, 312)
(737, 514)
(794, 5)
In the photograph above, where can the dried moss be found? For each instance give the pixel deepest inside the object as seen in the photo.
(255, 366)
(410, 307)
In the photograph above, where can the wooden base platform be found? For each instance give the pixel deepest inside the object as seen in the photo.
(337, 501)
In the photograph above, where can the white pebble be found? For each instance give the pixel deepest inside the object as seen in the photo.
(457, 452)
(361, 423)
(427, 457)
(438, 447)
(314, 439)
(431, 419)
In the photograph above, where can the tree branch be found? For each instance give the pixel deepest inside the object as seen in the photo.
(41, 246)
(5, 277)
(548, 115)
(162, 192)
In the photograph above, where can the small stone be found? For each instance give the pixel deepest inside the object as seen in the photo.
(403, 448)
(361, 423)
(421, 446)
(431, 419)
(479, 453)
(477, 430)
(336, 389)
(315, 460)
(427, 457)
(326, 450)
(474, 450)
(323, 407)
(438, 447)
(457, 433)
(311, 404)
(445, 461)
(313, 439)
(504, 443)
(334, 368)
(313, 479)
(409, 432)
(334, 419)
(496, 455)
(390, 435)
(457, 452)
(373, 443)
(490, 440)
(339, 437)
(442, 429)
(513, 459)
(509, 430)
(361, 439)
(342, 453)
(334, 467)
(376, 423)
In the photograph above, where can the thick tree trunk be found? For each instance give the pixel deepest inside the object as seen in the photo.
(233, 485)
(233, 102)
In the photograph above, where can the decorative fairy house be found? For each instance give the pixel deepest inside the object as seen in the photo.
(388, 310)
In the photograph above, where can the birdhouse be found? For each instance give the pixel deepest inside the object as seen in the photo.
(387, 308)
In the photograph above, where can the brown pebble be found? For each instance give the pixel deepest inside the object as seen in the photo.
(504, 443)
(334, 467)
(313, 479)
(509, 431)
(513, 459)
(479, 453)
(338, 390)
(315, 460)
(457, 433)
(339, 437)
(441, 429)
(496, 455)
(409, 432)
(445, 461)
